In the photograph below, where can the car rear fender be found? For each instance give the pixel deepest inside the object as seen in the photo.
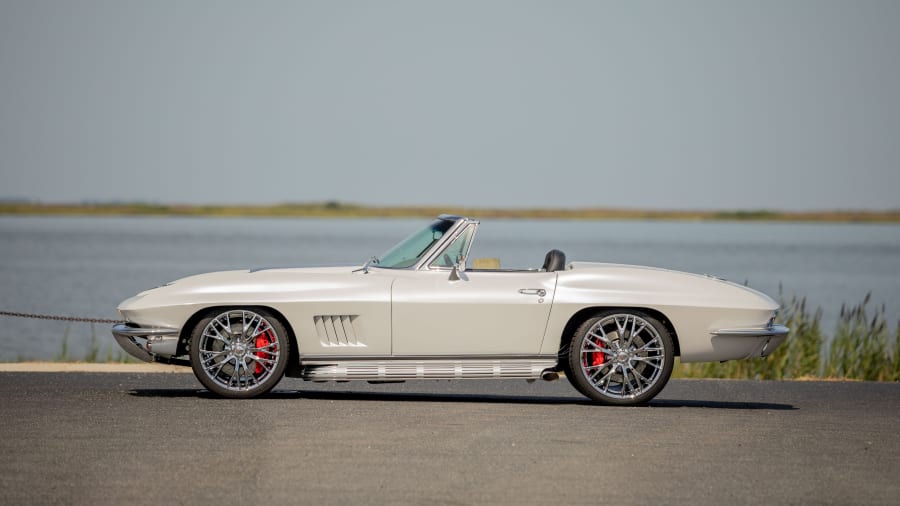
(584, 314)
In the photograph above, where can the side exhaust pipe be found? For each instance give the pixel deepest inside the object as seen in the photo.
(549, 375)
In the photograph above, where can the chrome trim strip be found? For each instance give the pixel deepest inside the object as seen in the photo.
(461, 222)
(146, 344)
(125, 330)
(443, 242)
(330, 359)
(433, 257)
(774, 330)
(426, 369)
(439, 245)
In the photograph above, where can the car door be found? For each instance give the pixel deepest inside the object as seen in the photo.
(481, 313)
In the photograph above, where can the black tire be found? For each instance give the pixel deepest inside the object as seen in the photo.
(239, 353)
(620, 357)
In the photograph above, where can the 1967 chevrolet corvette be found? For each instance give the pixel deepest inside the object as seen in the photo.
(421, 311)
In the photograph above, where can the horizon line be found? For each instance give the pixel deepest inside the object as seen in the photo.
(335, 209)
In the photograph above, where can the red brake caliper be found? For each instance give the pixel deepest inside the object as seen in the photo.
(595, 358)
(598, 358)
(262, 341)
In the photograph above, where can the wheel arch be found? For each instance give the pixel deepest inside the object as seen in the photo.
(184, 337)
(579, 317)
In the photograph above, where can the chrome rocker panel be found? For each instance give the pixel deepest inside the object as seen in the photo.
(411, 368)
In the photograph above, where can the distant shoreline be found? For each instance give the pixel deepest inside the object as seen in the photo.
(340, 210)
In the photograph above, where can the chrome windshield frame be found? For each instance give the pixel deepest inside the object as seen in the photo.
(459, 225)
(436, 254)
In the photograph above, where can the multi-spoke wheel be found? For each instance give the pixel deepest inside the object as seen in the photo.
(621, 357)
(239, 353)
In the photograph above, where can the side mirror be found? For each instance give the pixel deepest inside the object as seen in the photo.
(459, 269)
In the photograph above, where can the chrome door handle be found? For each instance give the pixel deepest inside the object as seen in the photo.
(540, 292)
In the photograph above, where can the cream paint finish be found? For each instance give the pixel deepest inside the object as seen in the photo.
(299, 294)
(696, 305)
(481, 313)
(423, 312)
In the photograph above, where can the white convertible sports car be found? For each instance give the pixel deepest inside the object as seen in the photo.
(420, 311)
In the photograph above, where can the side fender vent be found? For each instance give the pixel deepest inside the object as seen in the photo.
(337, 330)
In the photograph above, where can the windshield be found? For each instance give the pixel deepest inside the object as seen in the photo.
(408, 251)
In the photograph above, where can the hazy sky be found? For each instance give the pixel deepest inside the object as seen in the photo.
(672, 104)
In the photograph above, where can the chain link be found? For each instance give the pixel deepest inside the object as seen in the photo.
(59, 318)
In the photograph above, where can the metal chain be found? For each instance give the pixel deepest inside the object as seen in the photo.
(60, 318)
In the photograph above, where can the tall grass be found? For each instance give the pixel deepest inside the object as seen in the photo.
(862, 348)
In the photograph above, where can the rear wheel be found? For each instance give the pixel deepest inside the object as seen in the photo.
(239, 353)
(620, 357)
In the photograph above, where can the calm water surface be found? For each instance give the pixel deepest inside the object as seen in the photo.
(86, 266)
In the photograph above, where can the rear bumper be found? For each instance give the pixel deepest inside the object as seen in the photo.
(760, 342)
(146, 343)
(770, 331)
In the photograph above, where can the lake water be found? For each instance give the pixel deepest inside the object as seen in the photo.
(84, 266)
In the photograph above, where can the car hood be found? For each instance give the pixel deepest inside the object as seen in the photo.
(254, 275)
(246, 285)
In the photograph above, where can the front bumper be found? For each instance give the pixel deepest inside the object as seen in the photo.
(146, 343)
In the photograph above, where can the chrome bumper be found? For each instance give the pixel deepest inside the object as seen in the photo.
(767, 339)
(146, 344)
(771, 331)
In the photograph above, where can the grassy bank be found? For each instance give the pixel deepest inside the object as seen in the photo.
(341, 210)
(862, 347)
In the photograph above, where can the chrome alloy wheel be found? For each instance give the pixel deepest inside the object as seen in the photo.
(239, 353)
(623, 356)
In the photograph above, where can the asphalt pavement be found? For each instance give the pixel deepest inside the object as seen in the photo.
(120, 438)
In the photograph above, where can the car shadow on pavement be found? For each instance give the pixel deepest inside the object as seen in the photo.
(456, 398)
(679, 403)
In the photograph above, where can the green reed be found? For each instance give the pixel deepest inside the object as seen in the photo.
(94, 353)
(862, 348)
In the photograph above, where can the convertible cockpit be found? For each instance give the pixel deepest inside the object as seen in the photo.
(445, 244)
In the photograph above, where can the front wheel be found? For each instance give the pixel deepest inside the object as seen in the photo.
(239, 353)
(620, 357)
